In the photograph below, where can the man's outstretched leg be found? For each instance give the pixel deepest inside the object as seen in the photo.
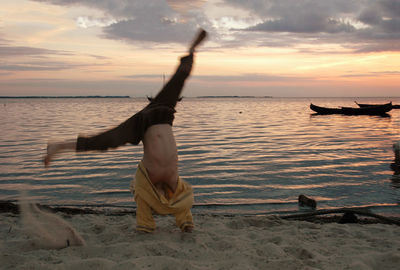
(170, 93)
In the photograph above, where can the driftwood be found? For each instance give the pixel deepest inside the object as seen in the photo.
(355, 211)
(306, 201)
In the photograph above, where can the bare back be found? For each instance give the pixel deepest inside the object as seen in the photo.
(160, 155)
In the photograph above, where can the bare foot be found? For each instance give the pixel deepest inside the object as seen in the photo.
(199, 39)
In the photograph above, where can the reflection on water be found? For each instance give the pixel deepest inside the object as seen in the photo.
(241, 155)
(396, 181)
(395, 166)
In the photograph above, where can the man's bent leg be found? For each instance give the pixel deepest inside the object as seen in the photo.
(144, 216)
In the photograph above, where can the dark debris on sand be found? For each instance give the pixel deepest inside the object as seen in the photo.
(340, 215)
(346, 215)
(13, 207)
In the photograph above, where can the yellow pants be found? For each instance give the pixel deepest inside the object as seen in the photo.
(149, 199)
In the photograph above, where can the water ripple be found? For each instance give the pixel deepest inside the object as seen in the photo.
(241, 155)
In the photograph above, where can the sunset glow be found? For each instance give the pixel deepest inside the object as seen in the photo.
(260, 48)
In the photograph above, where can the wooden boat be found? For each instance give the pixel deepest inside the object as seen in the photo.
(361, 105)
(369, 110)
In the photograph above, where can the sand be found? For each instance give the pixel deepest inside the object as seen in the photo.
(218, 242)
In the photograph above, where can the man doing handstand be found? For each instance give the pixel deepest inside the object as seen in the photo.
(156, 186)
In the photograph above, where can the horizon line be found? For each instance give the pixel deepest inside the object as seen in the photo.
(211, 96)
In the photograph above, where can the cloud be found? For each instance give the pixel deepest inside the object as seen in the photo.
(40, 66)
(246, 77)
(161, 21)
(39, 59)
(301, 16)
(357, 25)
(86, 22)
(363, 26)
(2, 40)
(7, 50)
(49, 86)
(162, 30)
(143, 76)
(382, 19)
(317, 24)
(386, 45)
(5, 73)
(12, 51)
(184, 7)
(372, 74)
(251, 77)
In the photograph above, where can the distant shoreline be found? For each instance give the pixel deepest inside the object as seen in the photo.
(64, 96)
(234, 97)
(37, 97)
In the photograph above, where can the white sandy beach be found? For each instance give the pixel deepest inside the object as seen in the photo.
(218, 242)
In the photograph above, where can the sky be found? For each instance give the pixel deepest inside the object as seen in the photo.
(280, 48)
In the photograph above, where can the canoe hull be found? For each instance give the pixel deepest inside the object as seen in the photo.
(369, 110)
(361, 105)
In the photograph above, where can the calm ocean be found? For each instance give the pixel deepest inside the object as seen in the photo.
(242, 155)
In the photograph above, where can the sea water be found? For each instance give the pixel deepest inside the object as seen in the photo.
(241, 155)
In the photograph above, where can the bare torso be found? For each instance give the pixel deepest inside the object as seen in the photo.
(160, 156)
